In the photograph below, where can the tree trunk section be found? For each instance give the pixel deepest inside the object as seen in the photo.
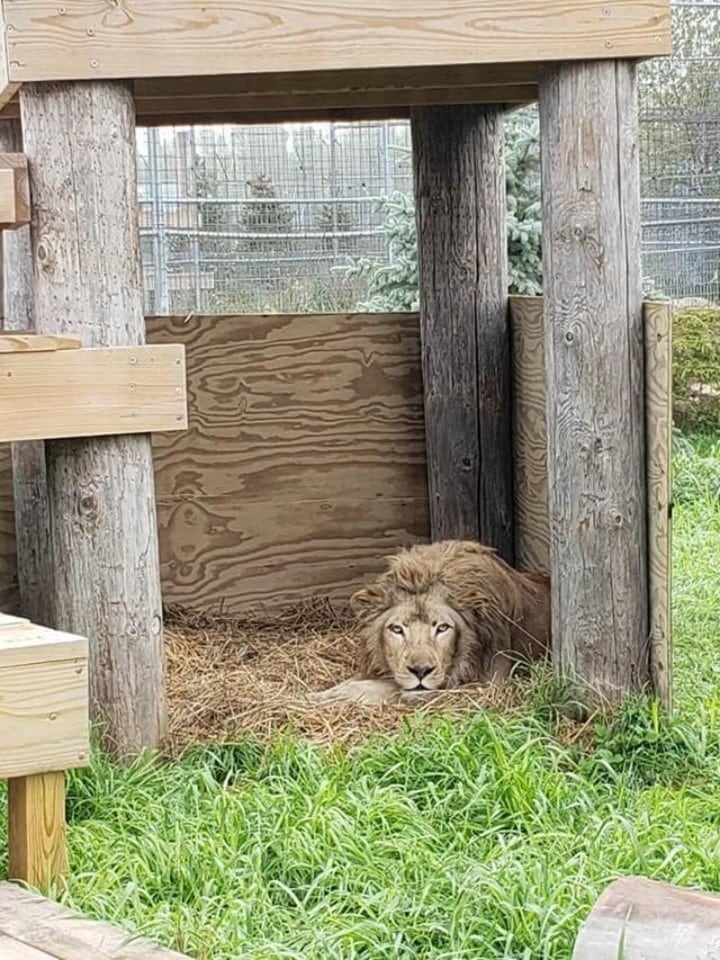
(32, 529)
(80, 141)
(595, 376)
(466, 344)
(636, 919)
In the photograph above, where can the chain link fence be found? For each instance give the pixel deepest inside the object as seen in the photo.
(267, 218)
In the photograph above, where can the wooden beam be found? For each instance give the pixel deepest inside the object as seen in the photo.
(80, 141)
(33, 548)
(36, 829)
(595, 376)
(637, 918)
(26, 342)
(460, 190)
(55, 394)
(14, 191)
(81, 41)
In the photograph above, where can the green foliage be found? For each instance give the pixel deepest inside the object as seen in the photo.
(696, 369)
(393, 281)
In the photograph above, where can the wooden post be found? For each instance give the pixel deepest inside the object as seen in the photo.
(36, 829)
(32, 530)
(460, 194)
(595, 375)
(80, 141)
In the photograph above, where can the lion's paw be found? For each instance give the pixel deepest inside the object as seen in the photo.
(366, 692)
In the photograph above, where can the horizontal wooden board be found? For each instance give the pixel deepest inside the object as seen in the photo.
(219, 553)
(23, 642)
(43, 716)
(92, 392)
(18, 342)
(89, 39)
(48, 926)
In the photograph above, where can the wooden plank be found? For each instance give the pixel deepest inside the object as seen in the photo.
(28, 342)
(219, 553)
(14, 191)
(9, 599)
(12, 949)
(92, 392)
(532, 526)
(23, 644)
(84, 40)
(595, 364)
(462, 265)
(81, 144)
(636, 918)
(64, 935)
(658, 403)
(282, 407)
(36, 829)
(29, 480)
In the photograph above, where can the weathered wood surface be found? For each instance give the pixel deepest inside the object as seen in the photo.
(658, 399)
(80, 141)
(23, 509)
(60, 934)
(595, 364)
(636, 919)
(49, 394)
(176, 37)
(36, 829)
(532, 528)
(14, 190)
(304, 461)
(460, 191)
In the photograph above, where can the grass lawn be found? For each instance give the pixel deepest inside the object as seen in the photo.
(472, 840)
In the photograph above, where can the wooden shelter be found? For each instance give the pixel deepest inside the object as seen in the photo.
(79, 74)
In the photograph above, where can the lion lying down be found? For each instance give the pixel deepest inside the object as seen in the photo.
(443, 615)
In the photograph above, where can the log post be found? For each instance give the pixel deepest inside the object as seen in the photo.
(80, 141)
(462, 265)
(32, 530)
(595, 376)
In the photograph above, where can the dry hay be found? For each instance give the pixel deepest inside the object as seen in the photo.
(230, 676)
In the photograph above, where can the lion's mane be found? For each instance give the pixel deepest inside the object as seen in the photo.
(503, 610)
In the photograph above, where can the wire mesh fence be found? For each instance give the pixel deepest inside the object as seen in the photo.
(267, 218)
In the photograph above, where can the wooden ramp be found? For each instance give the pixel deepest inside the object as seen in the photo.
(33, 928)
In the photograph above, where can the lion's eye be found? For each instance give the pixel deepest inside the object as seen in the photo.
(396, 629)
(442, 628)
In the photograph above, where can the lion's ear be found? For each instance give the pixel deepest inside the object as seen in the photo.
(368, 600)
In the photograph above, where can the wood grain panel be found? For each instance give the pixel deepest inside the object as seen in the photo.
(94, 40)
(289, 408)
(221, 553)
(532, 531)
(658, 412)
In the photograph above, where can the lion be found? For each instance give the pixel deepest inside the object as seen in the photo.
(443, 615)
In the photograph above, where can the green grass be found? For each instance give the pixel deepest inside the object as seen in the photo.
(486, 838)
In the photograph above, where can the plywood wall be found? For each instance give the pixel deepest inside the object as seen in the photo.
(304, 461)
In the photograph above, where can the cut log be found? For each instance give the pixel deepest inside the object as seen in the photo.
(466, 343)
(595, 375)
(636, 919)
(32, 524)
(80, 141)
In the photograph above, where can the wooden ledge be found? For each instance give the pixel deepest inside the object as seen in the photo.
(14, 191)
(52, 393)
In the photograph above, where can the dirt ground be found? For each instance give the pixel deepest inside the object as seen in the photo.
(229, 676)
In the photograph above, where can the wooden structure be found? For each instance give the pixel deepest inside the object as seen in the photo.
(78, 76)
(637, 918)
(34, 928)
(43, 732)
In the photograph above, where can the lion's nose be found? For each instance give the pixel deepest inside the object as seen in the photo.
(421, 670)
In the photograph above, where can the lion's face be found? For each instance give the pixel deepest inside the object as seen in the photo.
(418, 639)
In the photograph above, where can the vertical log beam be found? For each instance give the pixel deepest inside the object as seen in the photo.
(32, 529)
(460, 195)
(595, 375)
(80, 141)
(36, 829)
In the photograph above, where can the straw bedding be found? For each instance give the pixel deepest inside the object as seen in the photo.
(229, 676)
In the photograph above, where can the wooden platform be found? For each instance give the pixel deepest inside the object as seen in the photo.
(33, 928)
